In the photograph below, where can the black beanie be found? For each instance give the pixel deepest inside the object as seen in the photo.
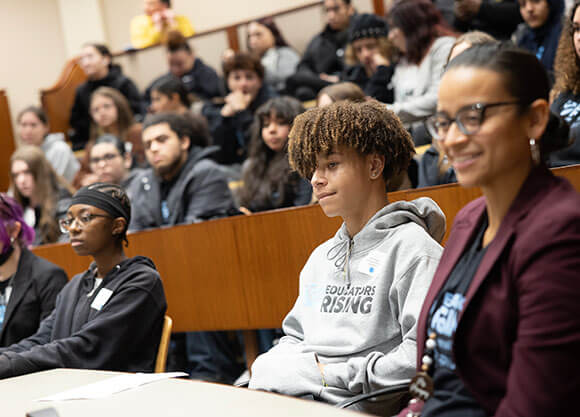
(367, 26)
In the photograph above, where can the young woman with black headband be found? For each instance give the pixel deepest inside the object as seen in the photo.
(108, 317)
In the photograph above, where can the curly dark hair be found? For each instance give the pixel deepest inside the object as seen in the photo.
(365, 127)
(243, 61)
(268, 172)
(567, 63)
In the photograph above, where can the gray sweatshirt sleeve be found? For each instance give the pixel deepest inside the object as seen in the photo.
(377, 370)
(288, 368)
(63, 160)
(420, 107)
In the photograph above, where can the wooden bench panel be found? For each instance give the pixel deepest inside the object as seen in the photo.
(242, 272)
(7, 143)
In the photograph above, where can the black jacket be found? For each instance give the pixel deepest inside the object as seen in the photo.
(567, 106)
(199, 192)
(543, 41)
(499, 18)
(428, 170)
(35, 286)
(202, 81)
(324, 54)
(80, 118)
(378, 86)
(119, 333)
(232, 134)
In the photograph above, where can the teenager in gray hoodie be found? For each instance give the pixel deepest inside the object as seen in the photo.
(353, 327)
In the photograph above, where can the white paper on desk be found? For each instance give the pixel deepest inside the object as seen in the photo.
(110, 386)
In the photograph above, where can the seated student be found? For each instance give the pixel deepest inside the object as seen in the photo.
(96, 62)
(43, 194)
(352, 329)
(565, 95)
(423, 39)
(268, 181)
(111, 114)
(152, 27)
(340, 91)
(32, 127)
(110, 162)
(499, 18)
(109, 317)
(168, 94)
(230, 123)
(541, 29)
(368, 55)
(279, 59)
(499, 334)
(323, 60)
(28, 284)
(433, 167)
(200, 80)
(183, 184)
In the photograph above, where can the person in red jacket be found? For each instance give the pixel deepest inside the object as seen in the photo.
(499, 333)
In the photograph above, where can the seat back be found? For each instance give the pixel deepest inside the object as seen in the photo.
(163, 345)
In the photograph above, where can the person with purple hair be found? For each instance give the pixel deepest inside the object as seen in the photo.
(28, 284)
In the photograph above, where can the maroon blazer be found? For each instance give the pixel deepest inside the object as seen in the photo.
(517, 344)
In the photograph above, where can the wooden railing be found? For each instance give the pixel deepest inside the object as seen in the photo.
(6, 141)
(242, 272)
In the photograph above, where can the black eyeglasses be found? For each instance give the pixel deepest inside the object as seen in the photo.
(575, 28)
(469, 119)
(83, 220)
(105, 158)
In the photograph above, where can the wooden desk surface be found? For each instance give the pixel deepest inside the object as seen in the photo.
(167, 398)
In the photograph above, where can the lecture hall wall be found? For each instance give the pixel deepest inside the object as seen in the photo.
(38, 36)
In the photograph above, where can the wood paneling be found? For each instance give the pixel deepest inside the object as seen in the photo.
(7, 143)
(242, 272)
(57, 101)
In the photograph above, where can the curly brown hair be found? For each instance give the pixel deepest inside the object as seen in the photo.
(386, 49)
(368, 128)
(566, 63)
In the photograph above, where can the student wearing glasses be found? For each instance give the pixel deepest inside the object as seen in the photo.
(108, 317)
(499, 332)
(110, 162)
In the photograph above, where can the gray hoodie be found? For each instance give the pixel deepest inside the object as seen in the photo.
(60, 156)
(357, 308)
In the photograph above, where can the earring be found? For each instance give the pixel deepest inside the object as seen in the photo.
(535, 150)
(11, 240)
(373, 175)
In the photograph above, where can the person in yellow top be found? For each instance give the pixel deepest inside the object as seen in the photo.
(152, 27)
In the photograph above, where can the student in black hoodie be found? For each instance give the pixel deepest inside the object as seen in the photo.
(541, 29)
(96, 62)
(323, 60)
(565, 96)
(109, 317)
(230, 122)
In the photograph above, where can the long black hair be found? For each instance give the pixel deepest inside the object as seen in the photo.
(268, 173)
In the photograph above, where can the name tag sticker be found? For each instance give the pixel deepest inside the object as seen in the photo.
(372, 264)
(101, 298)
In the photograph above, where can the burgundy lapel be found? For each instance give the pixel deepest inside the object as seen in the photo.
(525, 200)
(463, 230)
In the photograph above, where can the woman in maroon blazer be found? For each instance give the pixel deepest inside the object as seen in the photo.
(499, 333)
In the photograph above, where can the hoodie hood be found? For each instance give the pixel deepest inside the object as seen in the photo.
(423, 211)
(51, 139)
(554, 19)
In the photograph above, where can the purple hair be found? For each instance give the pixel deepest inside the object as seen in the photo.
(10, 212)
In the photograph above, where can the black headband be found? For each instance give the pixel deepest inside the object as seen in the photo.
(101, 200)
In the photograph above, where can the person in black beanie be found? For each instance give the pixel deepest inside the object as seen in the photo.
(368, 54)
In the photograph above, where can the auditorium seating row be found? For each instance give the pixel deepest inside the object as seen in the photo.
(242, 272)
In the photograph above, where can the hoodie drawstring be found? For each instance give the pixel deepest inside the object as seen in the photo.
(340, 253)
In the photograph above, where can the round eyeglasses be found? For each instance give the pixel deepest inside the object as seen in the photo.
(82, 221)
(469, 119)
